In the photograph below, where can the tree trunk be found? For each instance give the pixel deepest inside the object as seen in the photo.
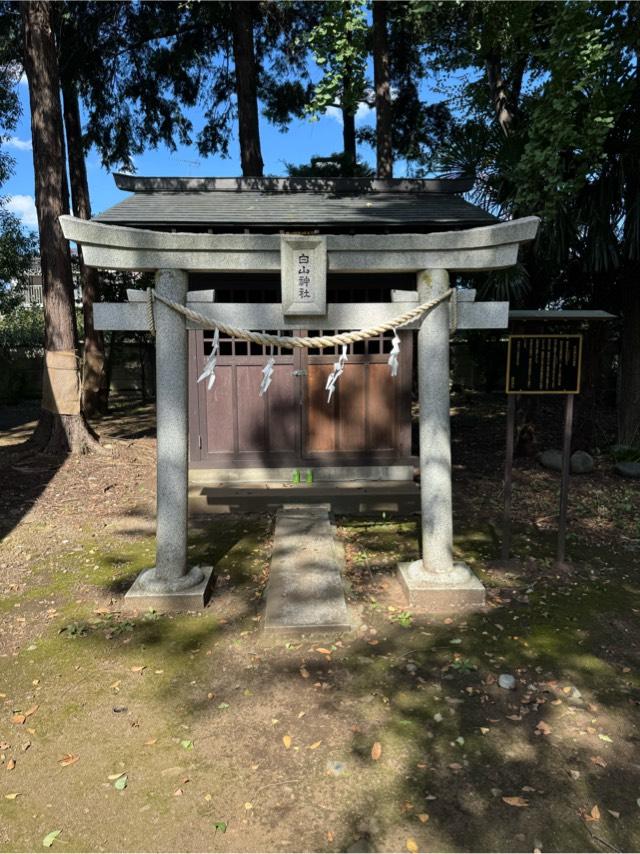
(93, 355)
(61, 426)
(384, 143)
(246, 89)
(349, 144)
(629, 399)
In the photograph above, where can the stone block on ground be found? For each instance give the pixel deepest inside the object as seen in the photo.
(551, 459)
(581, 462)
(305, 590)
(628, 469)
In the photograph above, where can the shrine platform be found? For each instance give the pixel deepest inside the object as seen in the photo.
(346, 497)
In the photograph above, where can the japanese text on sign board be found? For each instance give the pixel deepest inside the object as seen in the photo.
(544, 364)
(304, 278)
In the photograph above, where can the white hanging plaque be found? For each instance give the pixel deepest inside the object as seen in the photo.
(303, 264)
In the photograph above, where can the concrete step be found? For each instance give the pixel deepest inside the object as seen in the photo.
(305, 591)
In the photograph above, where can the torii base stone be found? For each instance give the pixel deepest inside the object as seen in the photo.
(140, 598)
(440, 593)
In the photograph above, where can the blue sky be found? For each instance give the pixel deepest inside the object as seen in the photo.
(303, 140)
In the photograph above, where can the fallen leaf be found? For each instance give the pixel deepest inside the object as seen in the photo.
(304, 673)
(220, 826)
(412, 845)
(31, 711)
(248, 805)
(12, 796)
(138, 668)
(605, 738)
(594, 815)
(121, 783)
(516, 801)
(50, 838)
(575, 775)
(24, 747)
(598, 760)
(324, 651)
(11, 764)
(376, 751)
(330, 836)
(115, 776)
(614, 813)
(543, 728)
(150, 741)
(484, 730)
(18, 719)
(424, 818)
(286, 740)
(178, 792)
(315, 745)
(187, 744)
(68, 759)
(4, 745)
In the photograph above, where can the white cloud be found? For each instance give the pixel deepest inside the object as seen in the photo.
(23, 207)
(19, 144)
(363, 113)
(334, 113)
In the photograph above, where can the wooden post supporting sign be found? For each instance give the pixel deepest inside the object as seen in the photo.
(541, 364)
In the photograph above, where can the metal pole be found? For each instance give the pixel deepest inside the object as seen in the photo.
(564, 484)
(508, 471)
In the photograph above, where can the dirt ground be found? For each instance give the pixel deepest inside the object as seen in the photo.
(198, 733)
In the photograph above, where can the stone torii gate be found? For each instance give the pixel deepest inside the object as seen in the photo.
(434, 582)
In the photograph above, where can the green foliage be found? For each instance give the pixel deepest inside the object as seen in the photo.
(625, 454)
(22, 328)
(333, 166)
(17, 250)
(573, 110)
(338, 43)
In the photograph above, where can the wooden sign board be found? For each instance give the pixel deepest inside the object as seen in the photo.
(544, 364)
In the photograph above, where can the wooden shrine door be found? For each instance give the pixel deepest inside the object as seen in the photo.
(367, 422)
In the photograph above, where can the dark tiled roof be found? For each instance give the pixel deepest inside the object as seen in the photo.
(286, 203)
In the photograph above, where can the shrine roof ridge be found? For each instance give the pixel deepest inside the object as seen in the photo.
(325, 186)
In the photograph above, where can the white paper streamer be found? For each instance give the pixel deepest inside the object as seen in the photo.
(210, 367)
(392, 361)
(336, 373)
(267, 375)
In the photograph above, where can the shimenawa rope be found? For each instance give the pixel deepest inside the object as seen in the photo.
(290, 342)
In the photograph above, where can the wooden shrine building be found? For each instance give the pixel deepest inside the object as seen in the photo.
(365, 430)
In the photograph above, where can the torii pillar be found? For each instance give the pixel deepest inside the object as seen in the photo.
(434, 582)
(171, 585)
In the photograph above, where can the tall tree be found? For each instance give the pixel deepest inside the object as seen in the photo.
(61, 426)
(339, 46)
(381, 74)
(93, 350)
(242, 16)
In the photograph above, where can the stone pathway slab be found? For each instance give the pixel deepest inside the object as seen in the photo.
(305, 591)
